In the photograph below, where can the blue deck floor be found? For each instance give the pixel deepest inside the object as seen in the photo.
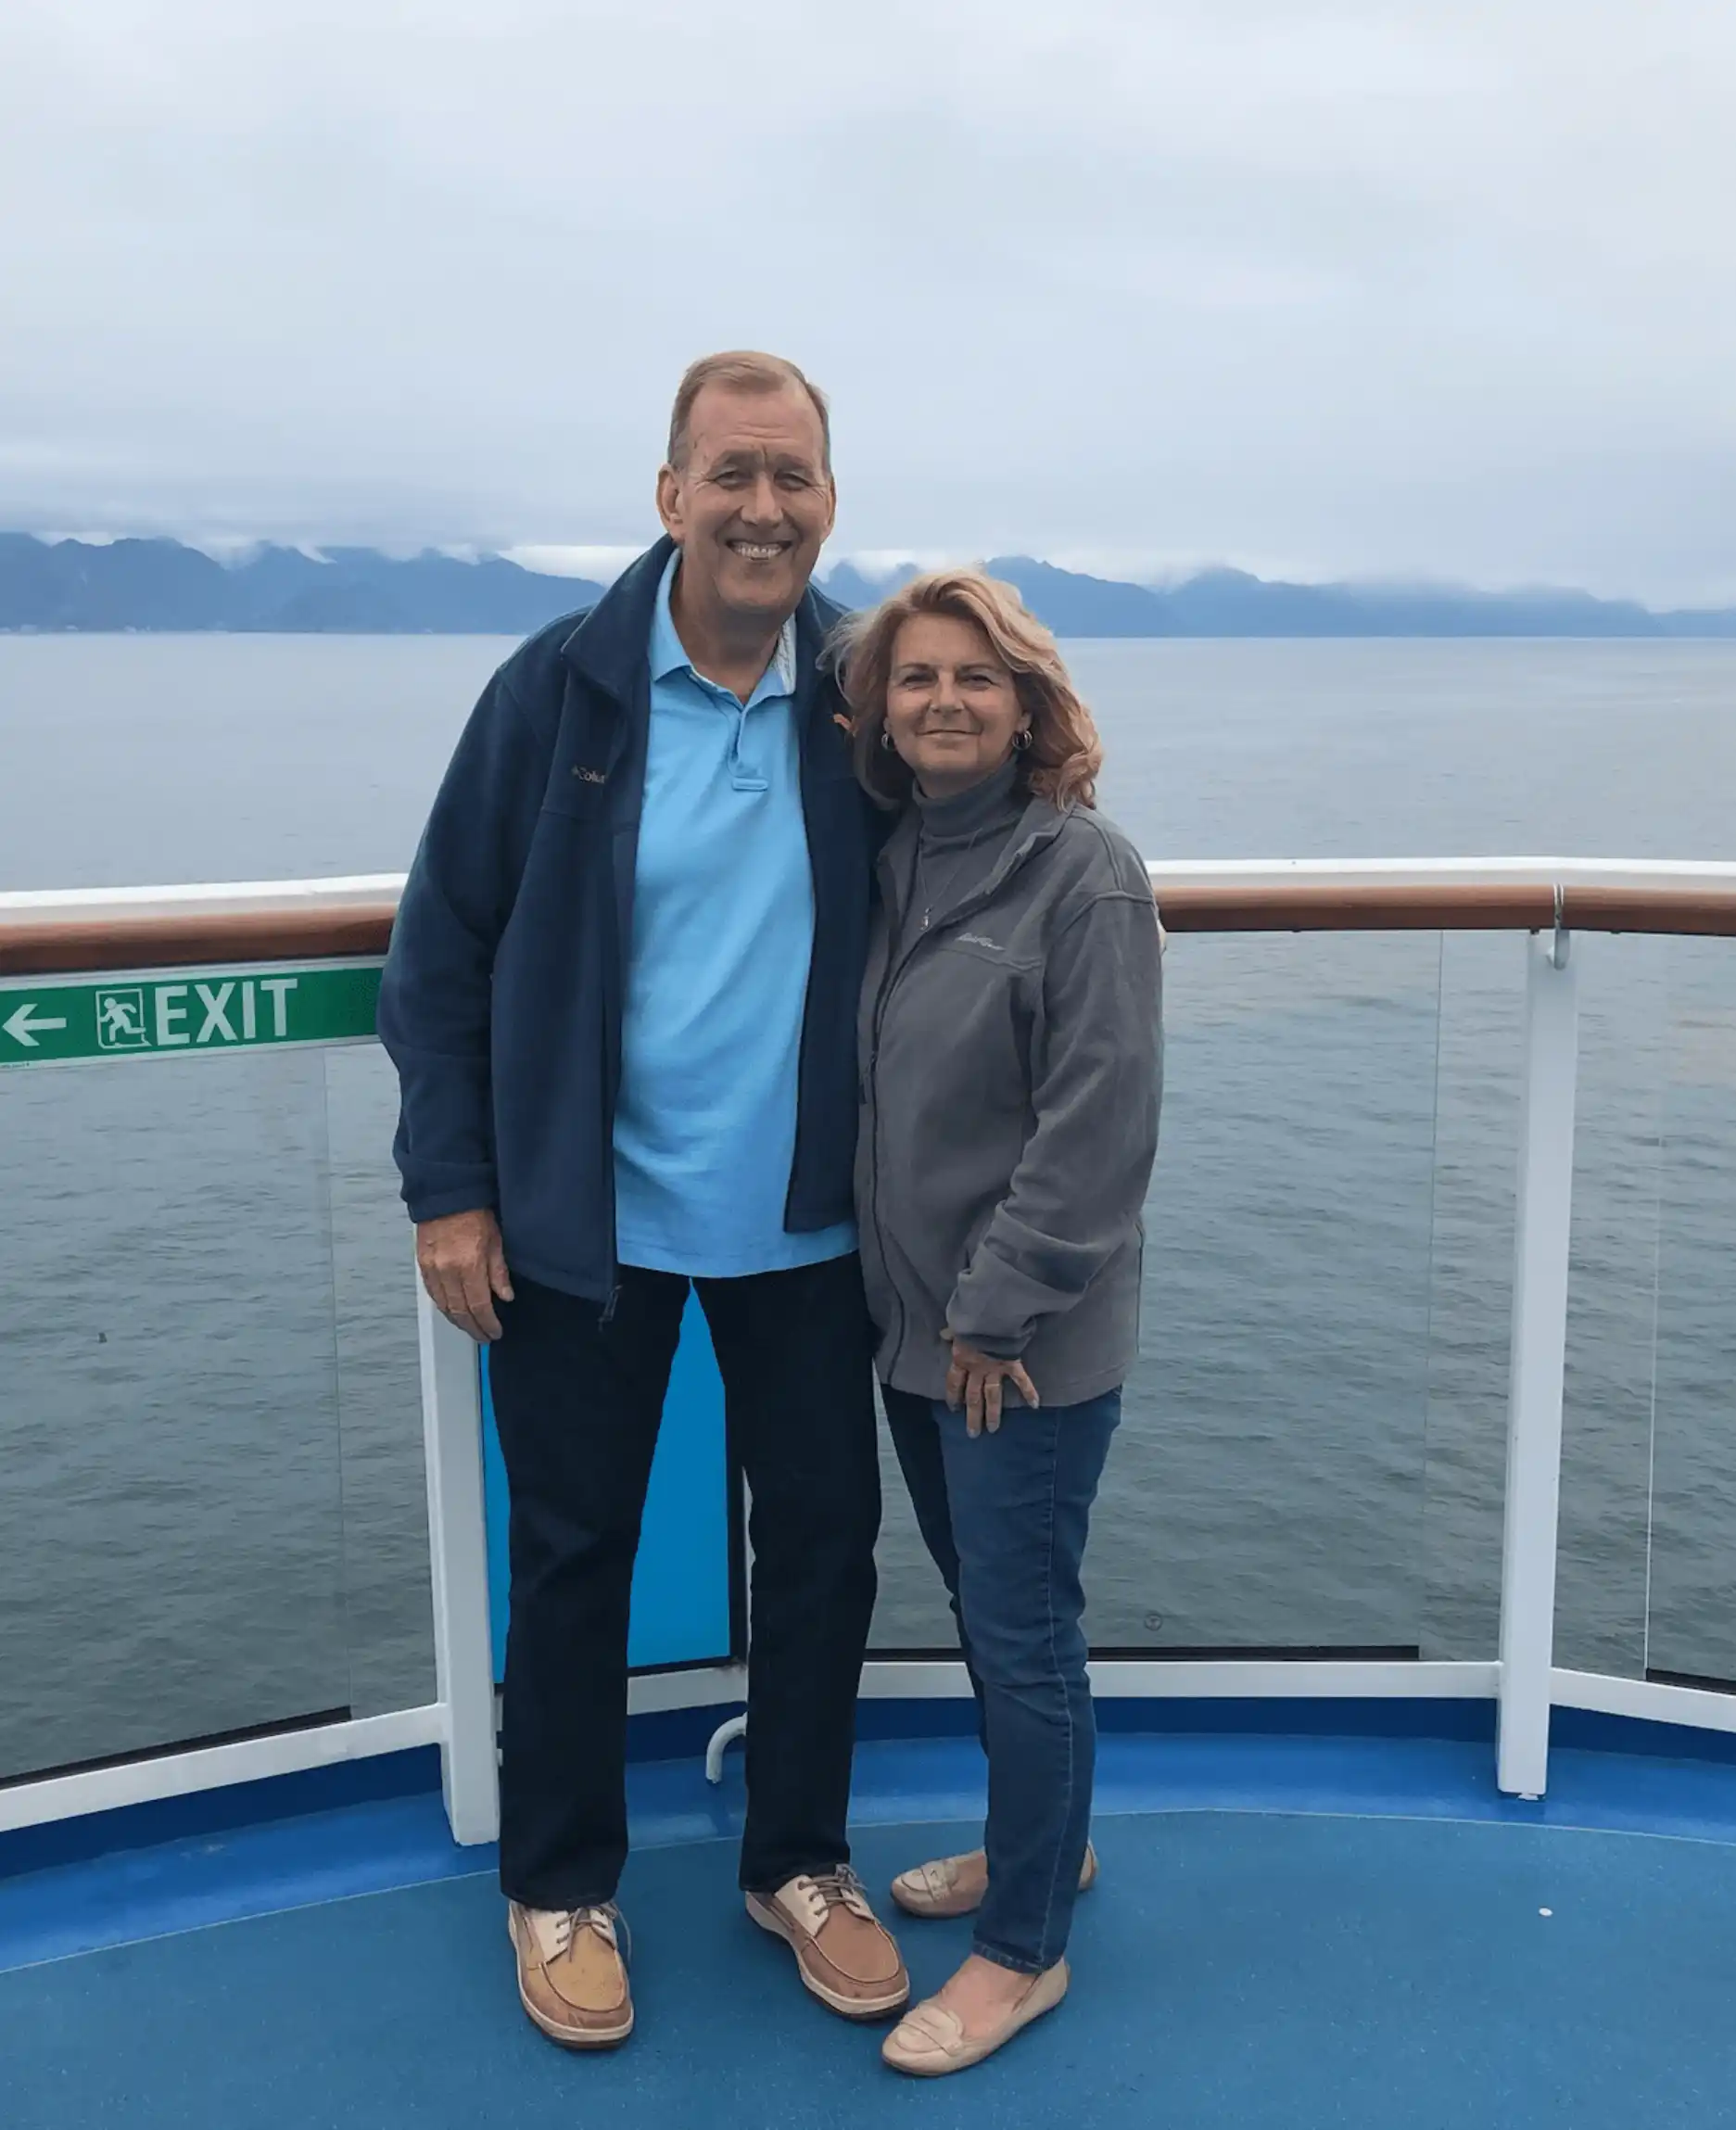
(1336, 1956)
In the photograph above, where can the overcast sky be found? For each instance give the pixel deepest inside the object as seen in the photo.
(1395, 287)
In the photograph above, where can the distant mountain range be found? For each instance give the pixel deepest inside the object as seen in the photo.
(158, 584)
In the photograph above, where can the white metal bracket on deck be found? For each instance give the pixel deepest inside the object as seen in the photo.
(721, 1740)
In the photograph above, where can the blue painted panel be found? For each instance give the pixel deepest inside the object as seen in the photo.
(681, 1582)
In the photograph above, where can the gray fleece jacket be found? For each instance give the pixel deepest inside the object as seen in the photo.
(1011, 1073)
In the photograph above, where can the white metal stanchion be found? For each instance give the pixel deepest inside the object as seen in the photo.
(1539, 1343)
(722, 1739)
(458, 1553)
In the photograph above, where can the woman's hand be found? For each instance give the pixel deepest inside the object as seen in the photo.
(974, 1381)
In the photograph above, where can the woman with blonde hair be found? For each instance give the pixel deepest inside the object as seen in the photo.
(1011, 1059)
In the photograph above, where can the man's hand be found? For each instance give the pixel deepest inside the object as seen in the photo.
(463, 1268)
(975, 1381)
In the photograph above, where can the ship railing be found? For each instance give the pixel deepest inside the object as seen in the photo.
(185, 972)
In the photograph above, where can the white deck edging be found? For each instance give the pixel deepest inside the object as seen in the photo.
(1646, 1700)
(35, 1804)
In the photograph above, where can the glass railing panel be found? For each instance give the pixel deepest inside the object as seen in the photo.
(1267, 1490)
(1606, 1412)
(387, 1602)
(1273, 1486)
(1477, 1144)
(1315, 1446)
(213, 1509)
(171, 1514)
(1691, 1610)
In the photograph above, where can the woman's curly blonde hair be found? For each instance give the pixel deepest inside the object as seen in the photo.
(1065, 754)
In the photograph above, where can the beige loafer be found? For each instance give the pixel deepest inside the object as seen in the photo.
(930, 2041)
(955, 1886)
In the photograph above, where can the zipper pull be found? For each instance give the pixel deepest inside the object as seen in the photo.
(608, 1308)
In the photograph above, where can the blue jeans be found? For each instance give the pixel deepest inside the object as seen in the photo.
(1006, 1517)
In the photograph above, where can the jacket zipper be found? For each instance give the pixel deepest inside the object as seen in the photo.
(887, 981)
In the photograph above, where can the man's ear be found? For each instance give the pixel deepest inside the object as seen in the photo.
(669, 503)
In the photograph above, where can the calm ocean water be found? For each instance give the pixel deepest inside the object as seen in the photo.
(211, 1495)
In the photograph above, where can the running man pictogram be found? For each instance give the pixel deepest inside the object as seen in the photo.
(120, 1021)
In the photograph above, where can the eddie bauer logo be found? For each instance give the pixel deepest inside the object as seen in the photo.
(976, 939)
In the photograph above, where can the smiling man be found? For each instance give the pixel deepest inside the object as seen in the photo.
(621, 999)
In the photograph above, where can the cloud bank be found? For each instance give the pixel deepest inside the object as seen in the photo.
(1383, 287)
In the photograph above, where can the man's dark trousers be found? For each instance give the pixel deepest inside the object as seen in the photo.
(578, 1402)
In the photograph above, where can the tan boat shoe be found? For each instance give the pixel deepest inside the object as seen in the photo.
(572, 1976)
(955, 1886)
(846, 1956)
(932, 2041)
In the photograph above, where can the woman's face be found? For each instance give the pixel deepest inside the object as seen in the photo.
(951, 707)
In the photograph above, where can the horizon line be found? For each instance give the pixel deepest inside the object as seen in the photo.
(603, 562)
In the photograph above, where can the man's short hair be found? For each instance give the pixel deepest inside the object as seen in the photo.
(743, 370)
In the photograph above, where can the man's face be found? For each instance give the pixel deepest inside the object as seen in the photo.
(752, 503)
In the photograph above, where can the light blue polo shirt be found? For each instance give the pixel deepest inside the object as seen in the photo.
(723, 934)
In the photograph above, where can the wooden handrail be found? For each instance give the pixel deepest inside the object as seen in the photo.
(1303, 907)
(57, 947)
(63, 949)
(1708, 912)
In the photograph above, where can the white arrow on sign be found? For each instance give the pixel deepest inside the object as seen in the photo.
(26, 1024)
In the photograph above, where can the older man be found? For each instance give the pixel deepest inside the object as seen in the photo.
(621, 1001)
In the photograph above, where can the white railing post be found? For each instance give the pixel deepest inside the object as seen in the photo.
(1539, 1344)
(458, 1556)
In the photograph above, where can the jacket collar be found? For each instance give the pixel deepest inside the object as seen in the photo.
(1036, 827)
(612, 644)
(1040, 822)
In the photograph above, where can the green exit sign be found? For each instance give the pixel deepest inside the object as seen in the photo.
(180, 1013)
